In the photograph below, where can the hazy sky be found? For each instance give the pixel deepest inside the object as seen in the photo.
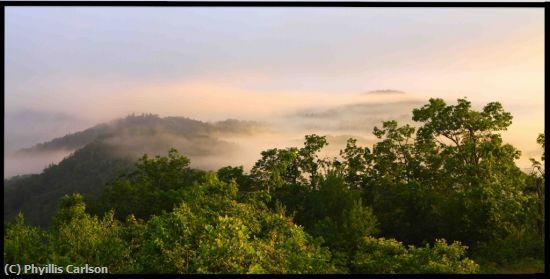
(96, 64)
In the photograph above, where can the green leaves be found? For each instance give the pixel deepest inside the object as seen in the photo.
(23, 244)
(356, 161)
(451, 178)
(282, 167)
(157, 184)
(380, 255)
(225, 248)
(162, 172)
(459, 123)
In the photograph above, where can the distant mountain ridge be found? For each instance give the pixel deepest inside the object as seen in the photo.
(144, 125)
(107, 150)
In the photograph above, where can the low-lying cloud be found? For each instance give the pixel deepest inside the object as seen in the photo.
(359, 117)
(211, 145)
(385, 92)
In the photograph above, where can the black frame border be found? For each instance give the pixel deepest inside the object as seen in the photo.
(275, 4)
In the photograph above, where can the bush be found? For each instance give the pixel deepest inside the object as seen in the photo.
(380, 255)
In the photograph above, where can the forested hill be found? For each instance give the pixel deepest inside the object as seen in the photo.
(145, 125)
(106, 150)
(87, 171)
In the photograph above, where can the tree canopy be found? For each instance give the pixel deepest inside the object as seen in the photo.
(429, 198)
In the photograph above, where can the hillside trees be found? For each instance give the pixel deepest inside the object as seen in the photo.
(208, 231)
(423, 199)
(156, 184)
(86, 171)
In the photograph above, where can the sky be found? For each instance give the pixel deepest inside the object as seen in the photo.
(68, 68)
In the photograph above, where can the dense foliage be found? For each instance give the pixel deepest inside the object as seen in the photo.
(87, 171)
(105, 151)
(431, 199)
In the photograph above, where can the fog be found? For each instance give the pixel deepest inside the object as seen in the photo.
(25, 127)
(30, 164)
(335, 72)
(234, 142)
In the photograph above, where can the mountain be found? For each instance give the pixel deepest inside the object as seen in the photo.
(107, 150)
(145, 126)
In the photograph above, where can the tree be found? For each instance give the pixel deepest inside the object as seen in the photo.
(398, 186)
(537, 174)
(288, 175)
(276, 168)
(229, 173)
(308, 161)
(212, 232)
(454, 178)
(23, 244)
(291, 166)
(77, 238)
(485, 182)
(157, 184)
(356, 160)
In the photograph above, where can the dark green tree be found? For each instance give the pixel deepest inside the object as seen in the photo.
(483, 182)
